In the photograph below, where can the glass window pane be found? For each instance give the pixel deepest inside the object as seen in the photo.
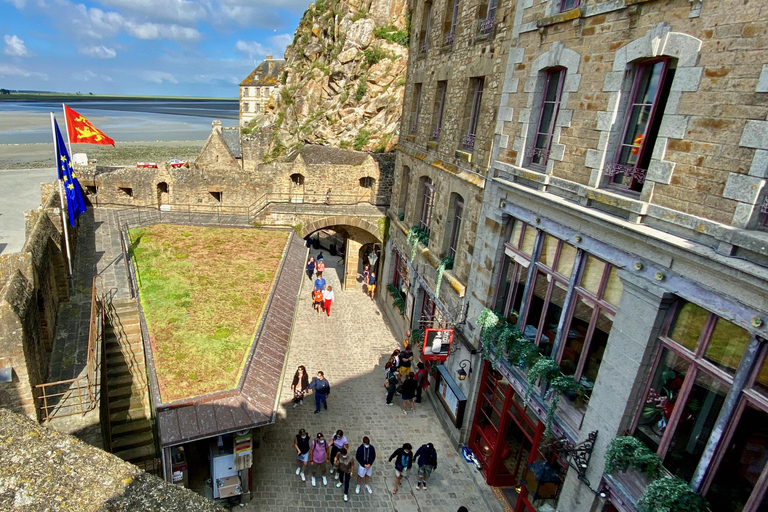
(727, 344)
(552, 318)
(577, 335)
(529, 239)
(695, 425)
(553, 85)
(540, 286)
(592, 275)
(596, 349)
(505, 285)
(547, 111)
(661, 398)
(688, 323)
(761, 381)
(548, 250)
(519, 293)
(613, 289)
(650, 82)
(515, 451)
(514, 238)
(744, 461)
(567, 257)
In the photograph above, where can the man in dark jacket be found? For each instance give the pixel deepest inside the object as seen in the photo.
(365, 456)
(427, 461)
(403, 461)
(322, 389)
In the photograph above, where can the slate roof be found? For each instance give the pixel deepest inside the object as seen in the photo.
(266, 73)
(325, 155)
(231, 137)
(252, 404)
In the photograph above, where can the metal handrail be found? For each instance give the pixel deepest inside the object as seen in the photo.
(87, 381)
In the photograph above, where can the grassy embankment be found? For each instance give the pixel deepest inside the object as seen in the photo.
(203, 291)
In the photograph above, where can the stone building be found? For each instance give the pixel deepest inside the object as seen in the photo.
(453, 83)
(257, 87)
(623, 232)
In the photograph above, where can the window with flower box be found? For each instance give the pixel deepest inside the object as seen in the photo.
(703, 361)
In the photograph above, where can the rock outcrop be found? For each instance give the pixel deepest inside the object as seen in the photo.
(345, 76)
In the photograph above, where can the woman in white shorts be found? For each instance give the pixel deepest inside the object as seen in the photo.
(301, 443)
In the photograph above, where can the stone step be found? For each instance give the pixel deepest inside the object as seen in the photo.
(126, 380)
(138, 454)
(135, 440)
(132, 427)
(118, 359)
(134, 369)
(133, 347)
(123, 327)
(129, 389)
(124, 339)
(120, 417)
(126, 404)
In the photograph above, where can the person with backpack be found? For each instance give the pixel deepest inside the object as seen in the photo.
(345, 465)
(339, 441)
(403, 461)
(322, 389)
(422, 381)
(365, 456)
(391, 386)
(301, 444)
(371, 284)
(318, 459)
(426, 458)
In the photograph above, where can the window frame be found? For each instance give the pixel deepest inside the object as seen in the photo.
(468, 141)
(564, 3)
(450, 35)
(635, 172)
(428, 22)
(458, 211)
(427, 205)
(417, 109)
(442, 89)
(543, 152)
(405, 182)
(486, 24)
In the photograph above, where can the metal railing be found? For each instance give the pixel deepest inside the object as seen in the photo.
(327, 199)
(485, 26)
(60, 399)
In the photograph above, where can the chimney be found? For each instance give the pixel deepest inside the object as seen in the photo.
(216, 125)
(269, 57)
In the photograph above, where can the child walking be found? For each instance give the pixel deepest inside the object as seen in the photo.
(328, 299)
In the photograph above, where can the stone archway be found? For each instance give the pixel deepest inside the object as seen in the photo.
(358, 232)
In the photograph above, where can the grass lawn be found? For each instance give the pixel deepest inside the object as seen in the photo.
(203, 291)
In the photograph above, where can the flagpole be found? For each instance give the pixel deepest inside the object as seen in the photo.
(63, 208)
(66, 123)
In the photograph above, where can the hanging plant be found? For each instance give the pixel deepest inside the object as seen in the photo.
(671, 494)
(417, 337)
(445, 264)
(545, 368)
(626, 452)
(397, 298)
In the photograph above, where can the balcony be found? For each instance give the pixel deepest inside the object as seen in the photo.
(630, 178)
(537, 157)
(468, 142)
(485, 26)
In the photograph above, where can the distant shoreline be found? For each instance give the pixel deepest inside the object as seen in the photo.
(100, 97)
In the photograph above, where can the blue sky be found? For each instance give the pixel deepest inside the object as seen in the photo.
(146, 47)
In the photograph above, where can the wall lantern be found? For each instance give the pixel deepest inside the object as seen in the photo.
(465, 368)
(542, 481)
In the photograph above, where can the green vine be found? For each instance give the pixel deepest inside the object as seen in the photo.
(629, 452)
(417, 337)
(398, 300)
(416, 235)
(502, 339)
(671, 494)
(445, 264)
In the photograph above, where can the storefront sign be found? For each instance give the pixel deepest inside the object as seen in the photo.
(437, 344)
(452, 398)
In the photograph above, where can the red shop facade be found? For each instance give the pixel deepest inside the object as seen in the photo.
(507, 437)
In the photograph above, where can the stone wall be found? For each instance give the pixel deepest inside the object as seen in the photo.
(34, 283)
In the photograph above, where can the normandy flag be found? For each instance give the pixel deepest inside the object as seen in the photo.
(81, 131)
(75, 201)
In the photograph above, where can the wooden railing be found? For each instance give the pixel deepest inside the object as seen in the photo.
(76, 396)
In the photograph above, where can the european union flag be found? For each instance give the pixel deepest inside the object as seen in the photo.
(75, 200)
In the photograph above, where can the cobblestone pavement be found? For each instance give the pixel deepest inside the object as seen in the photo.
(351, 347)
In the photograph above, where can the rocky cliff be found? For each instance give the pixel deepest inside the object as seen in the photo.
(345, 76)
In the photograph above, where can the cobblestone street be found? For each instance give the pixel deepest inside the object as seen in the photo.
(351, 347)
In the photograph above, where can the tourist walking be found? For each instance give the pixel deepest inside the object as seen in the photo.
(403, 461)
(320, 281)
(426, 459)
(371, 284)
(391, 386)
(300, 385)
(317, 298)
(365, 456)
(319, 458)
(322, 389)
(366, 273)
(320, 265)
(406, 359)
(339, 441)
(301, 443)
(409, 391)
(422, 381)
(345, 465)
(327, 299)
(310, 267)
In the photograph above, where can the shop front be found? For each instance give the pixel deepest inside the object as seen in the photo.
(507, 437)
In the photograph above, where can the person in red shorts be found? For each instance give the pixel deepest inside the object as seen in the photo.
(327, 299)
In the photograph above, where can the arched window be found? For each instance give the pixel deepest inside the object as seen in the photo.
(297, 180)
(367, 182)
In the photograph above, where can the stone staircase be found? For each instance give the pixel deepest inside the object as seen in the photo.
(132, 437)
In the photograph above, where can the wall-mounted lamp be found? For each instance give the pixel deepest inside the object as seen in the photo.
(465, 368)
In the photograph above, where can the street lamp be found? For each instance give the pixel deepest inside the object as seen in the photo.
(462, 372)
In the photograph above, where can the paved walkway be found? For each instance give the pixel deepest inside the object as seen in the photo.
(351, 347)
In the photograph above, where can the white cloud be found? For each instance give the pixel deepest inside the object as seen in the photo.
(6, 70)
(252, 49)
(15, 47)
(161, 31)
(19, 4)
(279, 43)
(99, 52)
(178, 11)
(158, 77)
(88, 76)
